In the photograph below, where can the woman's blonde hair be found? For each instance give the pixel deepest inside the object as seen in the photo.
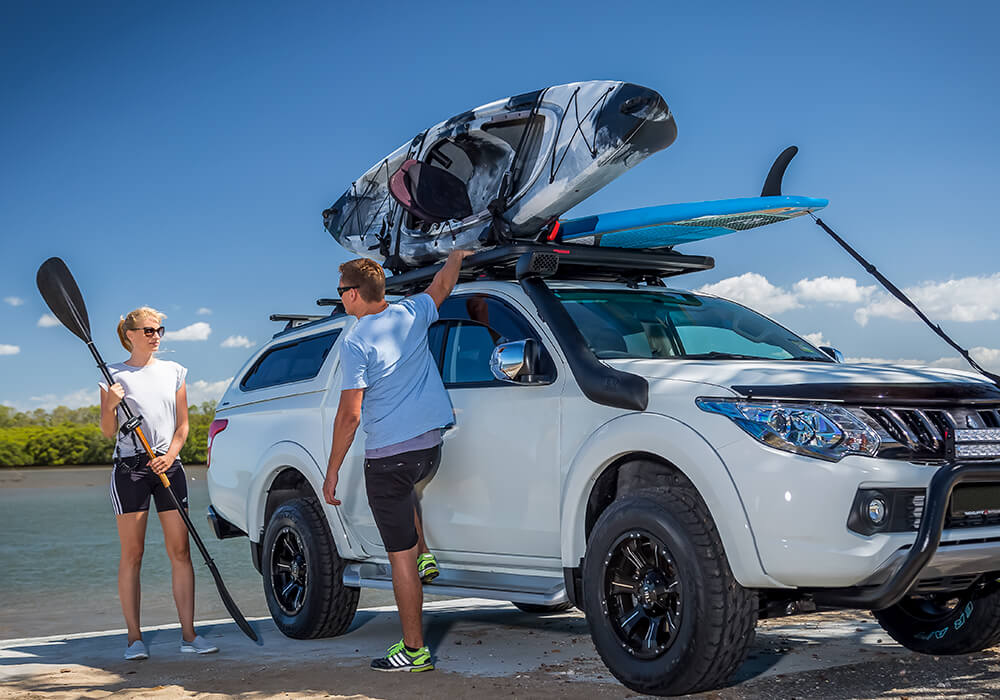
(131, 321)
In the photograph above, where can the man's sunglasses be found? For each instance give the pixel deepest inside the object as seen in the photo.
(149, 332)
(341, 290)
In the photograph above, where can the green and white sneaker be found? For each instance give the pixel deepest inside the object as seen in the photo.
(399, 658)
(427, 567)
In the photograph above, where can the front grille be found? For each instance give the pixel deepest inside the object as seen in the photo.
(954, 522)
(918, 433)
(906, 508)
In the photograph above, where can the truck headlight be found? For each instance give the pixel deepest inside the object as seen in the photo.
(819, 430)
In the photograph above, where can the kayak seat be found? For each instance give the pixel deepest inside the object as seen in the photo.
(431, 194)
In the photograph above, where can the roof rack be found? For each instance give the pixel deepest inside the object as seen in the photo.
(296, 320)
(577, 262)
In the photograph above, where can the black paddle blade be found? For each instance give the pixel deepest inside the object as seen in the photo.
(230, 604)
(63, 297)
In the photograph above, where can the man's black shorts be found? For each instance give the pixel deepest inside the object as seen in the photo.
(133, 482)
(389, 482)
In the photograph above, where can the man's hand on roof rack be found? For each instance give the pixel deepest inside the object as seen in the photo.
(445, 279)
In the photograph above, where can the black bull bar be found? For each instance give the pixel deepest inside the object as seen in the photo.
(932, 522)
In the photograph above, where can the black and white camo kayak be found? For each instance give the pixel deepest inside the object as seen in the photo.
(499, 172)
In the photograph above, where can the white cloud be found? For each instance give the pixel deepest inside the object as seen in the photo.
(966, 299)
(816, 339)
(47, 321)
(237, 341)
(832, 290)
(754, 291)
(200, 391)
(204, 311)
(196, 331)
(14, 301)
(9, 349)
(75, 399)
(988, 358)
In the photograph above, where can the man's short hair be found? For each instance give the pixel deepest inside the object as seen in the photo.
(365, 274)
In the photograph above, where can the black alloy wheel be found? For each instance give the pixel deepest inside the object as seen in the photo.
(934, 608)
(289, 571)
(303, 573)
(642, 594)
(665, 612)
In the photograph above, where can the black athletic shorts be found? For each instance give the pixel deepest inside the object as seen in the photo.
(133, 482)
(389, 482)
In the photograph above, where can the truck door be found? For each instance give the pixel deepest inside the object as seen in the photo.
(497, 489)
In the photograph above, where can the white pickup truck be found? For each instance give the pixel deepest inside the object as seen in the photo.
(674, 464)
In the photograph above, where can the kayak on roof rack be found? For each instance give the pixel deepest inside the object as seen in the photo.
(500, 172)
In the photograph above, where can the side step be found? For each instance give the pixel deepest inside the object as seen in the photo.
(537, 590)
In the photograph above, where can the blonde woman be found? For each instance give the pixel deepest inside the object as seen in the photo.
(154, 389)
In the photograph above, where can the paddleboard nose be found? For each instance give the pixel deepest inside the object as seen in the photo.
(643, 115)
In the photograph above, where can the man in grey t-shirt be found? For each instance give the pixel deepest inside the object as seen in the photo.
(391, 383)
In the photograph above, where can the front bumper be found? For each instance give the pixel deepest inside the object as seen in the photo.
(798, 509)
(907, 568)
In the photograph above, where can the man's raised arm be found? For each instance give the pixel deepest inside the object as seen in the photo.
(445, 279)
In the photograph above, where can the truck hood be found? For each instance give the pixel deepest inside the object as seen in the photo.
(819, 380)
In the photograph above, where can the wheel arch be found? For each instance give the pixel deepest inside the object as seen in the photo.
(667, 450)
(288, 471)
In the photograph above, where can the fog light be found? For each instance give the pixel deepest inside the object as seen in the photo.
(876, 511)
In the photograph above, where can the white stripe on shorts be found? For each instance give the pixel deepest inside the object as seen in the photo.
(115, 502)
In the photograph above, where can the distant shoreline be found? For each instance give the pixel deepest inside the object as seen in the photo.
(67, 476)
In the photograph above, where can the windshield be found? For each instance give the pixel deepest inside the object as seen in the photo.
(654, 325)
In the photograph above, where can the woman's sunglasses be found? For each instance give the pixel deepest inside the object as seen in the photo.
(149, 332)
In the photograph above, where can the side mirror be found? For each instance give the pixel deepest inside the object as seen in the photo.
(516, 360)
(834, 353)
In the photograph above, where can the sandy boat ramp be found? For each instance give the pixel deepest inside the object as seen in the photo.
(483, 649)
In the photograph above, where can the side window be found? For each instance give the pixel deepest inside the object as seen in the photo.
(467, 354)
(435, 339)
(291, 362)
(471, 326)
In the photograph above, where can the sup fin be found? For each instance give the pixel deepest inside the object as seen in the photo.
(772, 185)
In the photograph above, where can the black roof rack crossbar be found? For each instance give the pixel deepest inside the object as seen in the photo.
(296, 320)
(574, 262)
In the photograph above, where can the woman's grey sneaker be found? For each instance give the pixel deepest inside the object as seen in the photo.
(136, 650)
(198, 645)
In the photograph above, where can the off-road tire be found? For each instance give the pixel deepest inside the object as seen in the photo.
(717, 616)
(327, 606)
(947, 623)
(542, 609)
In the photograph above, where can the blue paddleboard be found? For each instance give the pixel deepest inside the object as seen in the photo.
(671, 224)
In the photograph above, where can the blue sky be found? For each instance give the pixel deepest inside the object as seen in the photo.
(179, 155)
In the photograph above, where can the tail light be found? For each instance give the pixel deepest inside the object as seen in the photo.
(217, 426)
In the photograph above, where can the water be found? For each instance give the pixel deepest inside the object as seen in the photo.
(59, 557)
